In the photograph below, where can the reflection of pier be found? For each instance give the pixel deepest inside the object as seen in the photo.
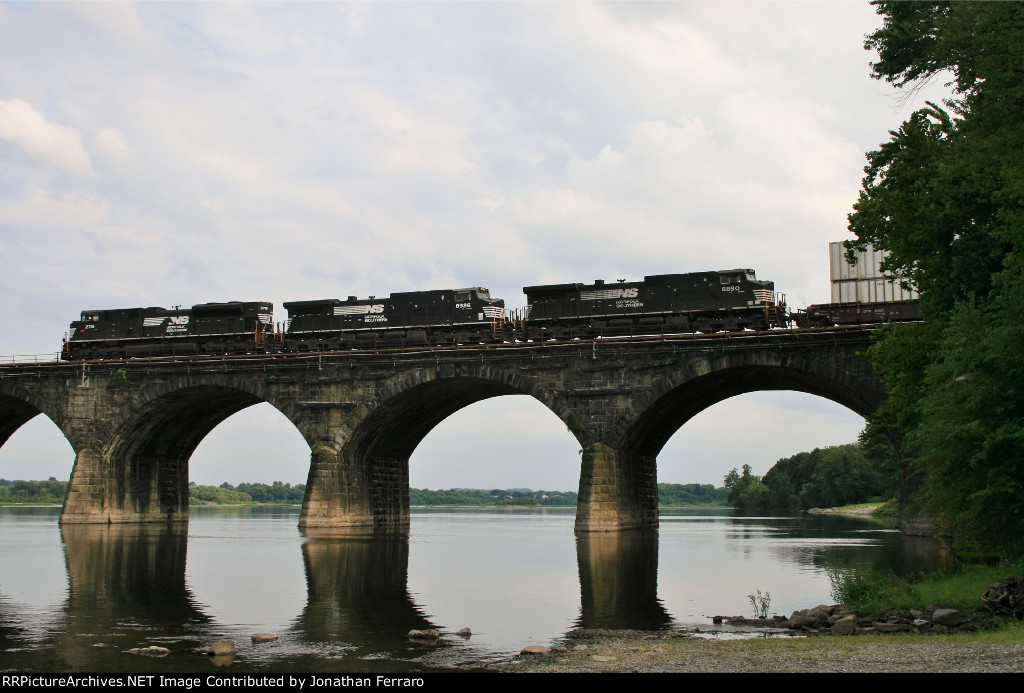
(619, 581)
(357, 586)
(126, 585)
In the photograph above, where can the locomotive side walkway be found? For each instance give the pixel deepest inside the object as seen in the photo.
(134, 424)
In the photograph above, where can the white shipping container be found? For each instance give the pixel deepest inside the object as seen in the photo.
(863, 282)
(870, 291)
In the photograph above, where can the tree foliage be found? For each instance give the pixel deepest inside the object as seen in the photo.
(945, 197)
(50, 492)
(822, 478)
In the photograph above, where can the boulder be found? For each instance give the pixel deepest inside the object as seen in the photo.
(947, 617)
(809, 618)
(1006, 596)
(847, 625)
(263, 637)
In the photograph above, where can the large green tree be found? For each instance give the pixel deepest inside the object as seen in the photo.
(945, 197)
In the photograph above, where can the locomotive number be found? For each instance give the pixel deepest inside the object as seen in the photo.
(467, 306)
(731, 289)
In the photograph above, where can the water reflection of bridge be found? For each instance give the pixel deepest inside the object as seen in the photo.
(127, 588)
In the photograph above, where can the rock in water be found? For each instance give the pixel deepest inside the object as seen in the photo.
(222, 647)
(535, 649)
(151, 651)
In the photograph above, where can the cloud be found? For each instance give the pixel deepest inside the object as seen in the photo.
(56, 145)
(178, 153)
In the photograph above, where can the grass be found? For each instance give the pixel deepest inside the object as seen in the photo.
(870, 594)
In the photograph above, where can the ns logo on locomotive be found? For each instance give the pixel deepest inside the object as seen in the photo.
(726, 300)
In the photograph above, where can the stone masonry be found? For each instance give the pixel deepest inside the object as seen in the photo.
(134, 424)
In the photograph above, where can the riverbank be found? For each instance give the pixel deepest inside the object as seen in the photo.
(858, 510)
(641, 652)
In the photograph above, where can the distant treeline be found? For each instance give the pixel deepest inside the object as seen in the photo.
(676, 495)
(473, 496)
(50, 492)
(279, 493)
(668, 495)
(823, 478)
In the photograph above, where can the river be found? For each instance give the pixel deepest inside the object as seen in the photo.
(79, 598)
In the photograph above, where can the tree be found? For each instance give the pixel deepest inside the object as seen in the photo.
(945, 197)
(746, 491)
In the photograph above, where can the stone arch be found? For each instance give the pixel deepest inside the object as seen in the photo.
(623, 491)
(18, 406)
(139, 473)
(654, 417)
(363, 481)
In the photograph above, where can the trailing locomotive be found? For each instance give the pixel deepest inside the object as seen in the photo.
(206, 328)
(446, 316)
(726, 300)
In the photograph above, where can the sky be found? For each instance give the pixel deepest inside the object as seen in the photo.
(159, 154)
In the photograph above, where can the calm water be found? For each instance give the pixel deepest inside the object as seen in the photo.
(514, 577)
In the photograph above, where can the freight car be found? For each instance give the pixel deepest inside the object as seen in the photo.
(861, 293)
(726, 300)
(207, 328)
(853, 313)
(446, 316)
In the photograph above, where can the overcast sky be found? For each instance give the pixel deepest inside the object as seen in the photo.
(179, 153)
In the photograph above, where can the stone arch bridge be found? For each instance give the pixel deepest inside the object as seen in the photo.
(134, 424)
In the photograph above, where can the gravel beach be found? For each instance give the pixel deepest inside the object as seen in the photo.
(631, 651)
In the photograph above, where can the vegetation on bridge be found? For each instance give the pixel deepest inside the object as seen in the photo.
(945, 197)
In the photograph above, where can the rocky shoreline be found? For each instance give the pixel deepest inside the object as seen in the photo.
(805, 642)
(642, 652)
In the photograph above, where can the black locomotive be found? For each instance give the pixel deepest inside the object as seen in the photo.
(206, 328)
(446, 316)
(726, 300)
(661, 304)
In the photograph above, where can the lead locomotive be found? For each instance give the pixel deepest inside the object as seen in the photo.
(726, 300)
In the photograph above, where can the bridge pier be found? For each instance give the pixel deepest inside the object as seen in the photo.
(146, 490)
(344, 491)
(617, 491)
